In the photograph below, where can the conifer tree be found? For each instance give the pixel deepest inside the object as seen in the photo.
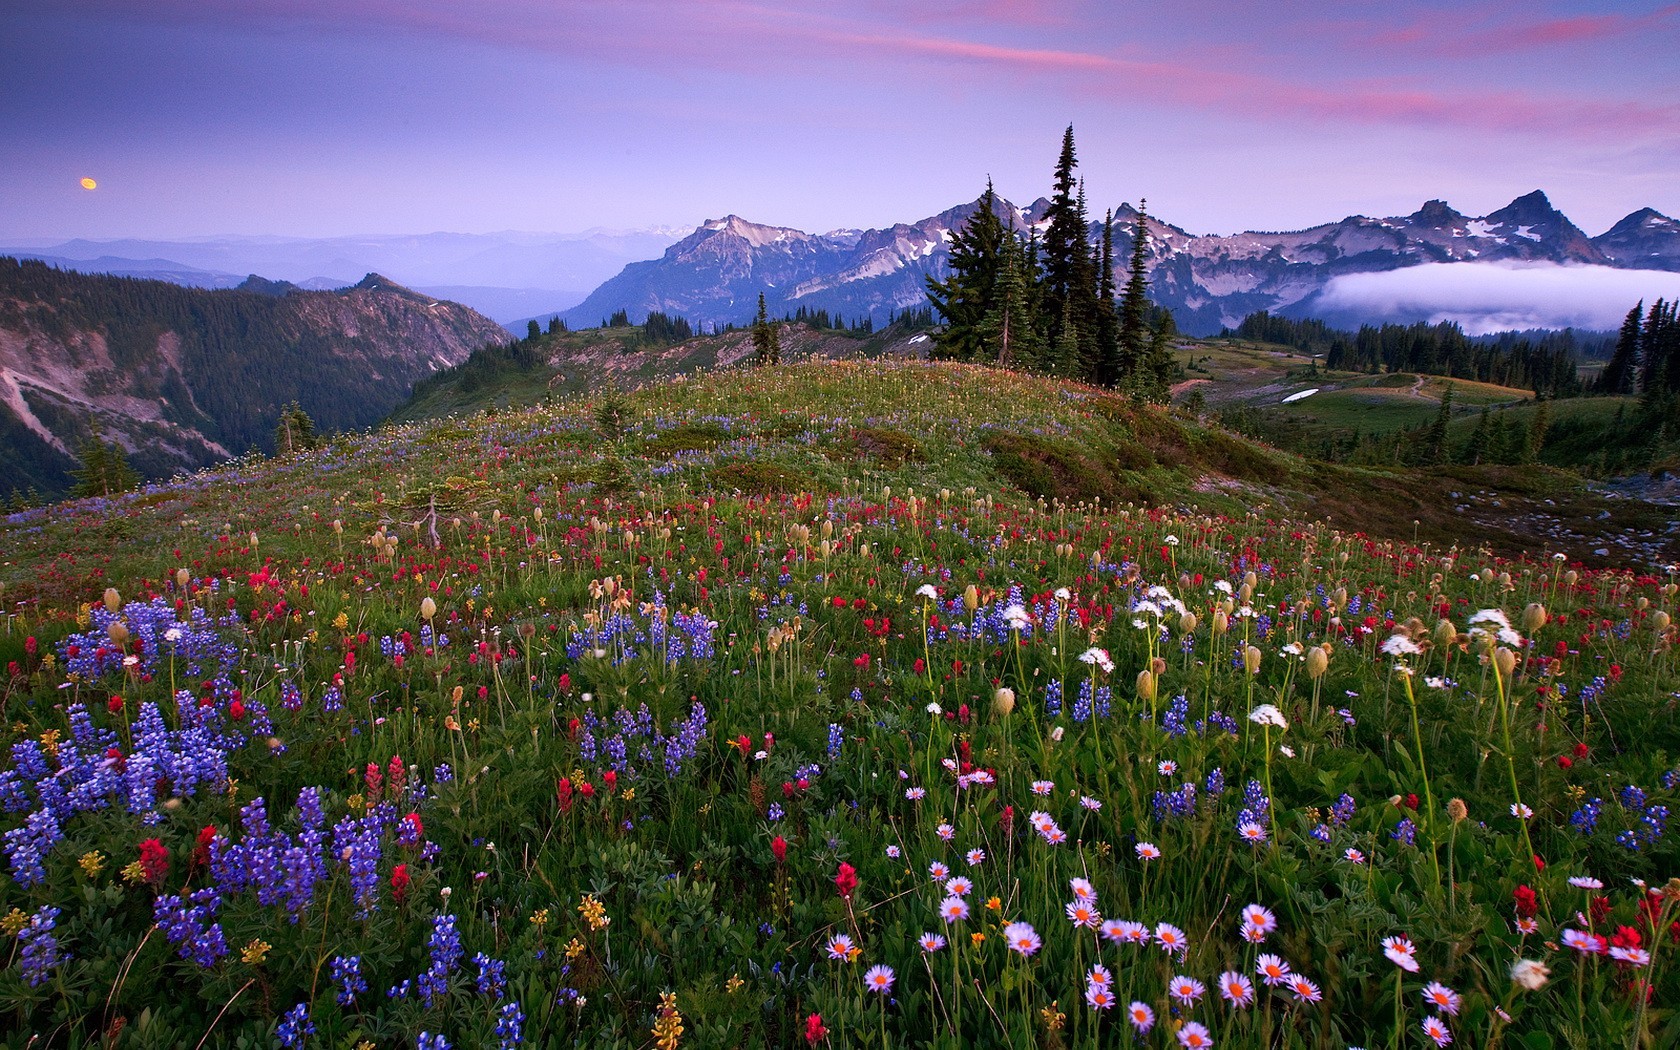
(1010, 326)
(970, 291)
(1618, 375)
(1105, 324)
(1134, 304)
(1066, 253)
(1435, 439)
(766, 347)
(1475, 449)
(104, 471)
(295, 431)
(1535, 440)
(1159, 369)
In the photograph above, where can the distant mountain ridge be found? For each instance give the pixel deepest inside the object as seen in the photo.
(506, 275)
(714, 275)
(182, 377)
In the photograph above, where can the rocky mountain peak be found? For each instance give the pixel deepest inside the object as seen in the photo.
(1437, 214)
(375, 282)
(1529, 209)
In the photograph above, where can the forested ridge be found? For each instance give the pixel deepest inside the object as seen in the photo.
(218, 365)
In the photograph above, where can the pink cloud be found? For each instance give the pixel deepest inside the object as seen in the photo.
(1264, 96)
(744, 38)
(1474, 31)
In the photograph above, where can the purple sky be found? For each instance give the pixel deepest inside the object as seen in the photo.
(319, 117)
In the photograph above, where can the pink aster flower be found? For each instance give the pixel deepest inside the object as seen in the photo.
(1436, 1029)
(1021, 937)
(1141, 1016)
(1401, 952)
(1236, 989)
(1442, 998)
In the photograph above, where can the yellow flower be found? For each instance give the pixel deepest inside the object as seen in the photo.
(341, 622)
(1053, 1017)
(13, 922)
(994, 904)
(356, 802)
(254, 953)
(668, 1028)
(593, 912)
(734, 983)
(539, 918)
(133, 872)
(629, 794)
(574, 948)
(92, 862)
(977, 939)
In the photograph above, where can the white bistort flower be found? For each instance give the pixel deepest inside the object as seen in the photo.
(1400, 645)
(1099, 657)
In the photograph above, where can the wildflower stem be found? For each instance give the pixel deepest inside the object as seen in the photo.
(1423, 771)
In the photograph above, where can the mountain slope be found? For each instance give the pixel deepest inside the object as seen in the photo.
(714, 275)
(182, 377)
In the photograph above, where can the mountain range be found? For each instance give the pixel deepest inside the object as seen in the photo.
(182, 377)
(714, 275)
(506, 275)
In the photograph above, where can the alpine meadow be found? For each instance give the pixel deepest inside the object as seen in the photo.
(1026, 626)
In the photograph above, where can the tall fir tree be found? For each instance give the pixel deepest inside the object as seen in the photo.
(767, 347)
(1534, 441)
(1434, 448)
(1009, 328)
(1066, 251)
(104, 470)
(1160, 369)
(969, 291)
(1105, 324)
(295, 431)
(1134, 304)
(1619, 373)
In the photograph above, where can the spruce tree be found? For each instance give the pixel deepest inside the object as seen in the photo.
(1159, 369)
(1435, 439)
(969, 292)
(1134, 306)
(104, 471)
(1010, 326)
(1105, 325)
(295, 431)
(1476, 448)
(765, 348)
(1066, 250)
(1535, 440)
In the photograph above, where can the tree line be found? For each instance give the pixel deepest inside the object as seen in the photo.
(1547, 363)
(1053, 305)
(1646, 357)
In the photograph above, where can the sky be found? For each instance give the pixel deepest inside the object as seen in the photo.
(334, 117)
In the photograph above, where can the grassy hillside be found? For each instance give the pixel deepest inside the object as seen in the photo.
(565, 363)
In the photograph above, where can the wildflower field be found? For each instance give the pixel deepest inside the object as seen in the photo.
(766, 710)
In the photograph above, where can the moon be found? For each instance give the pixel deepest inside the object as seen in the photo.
(89, 184)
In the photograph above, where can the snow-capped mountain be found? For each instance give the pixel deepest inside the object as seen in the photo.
(714, 275)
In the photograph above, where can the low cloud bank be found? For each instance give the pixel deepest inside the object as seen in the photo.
(1496, 297)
